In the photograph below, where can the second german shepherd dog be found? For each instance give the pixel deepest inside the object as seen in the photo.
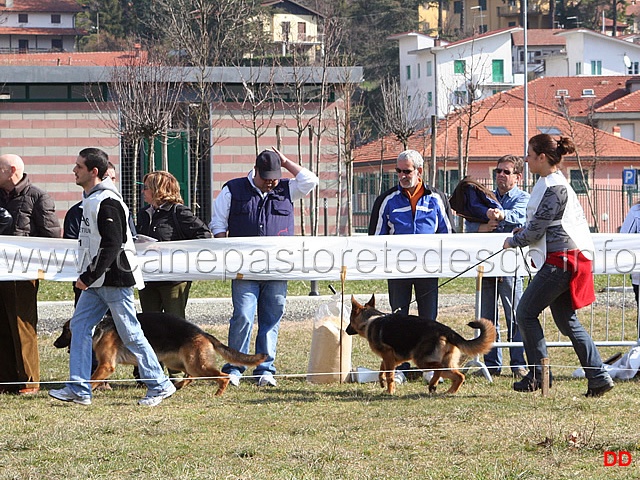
(179, 345)
(431, 345)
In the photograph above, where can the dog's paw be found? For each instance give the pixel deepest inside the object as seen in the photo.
(432, 389)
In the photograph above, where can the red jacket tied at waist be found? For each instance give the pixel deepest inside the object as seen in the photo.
(581, 284)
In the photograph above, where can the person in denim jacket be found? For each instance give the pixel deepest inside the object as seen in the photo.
(508, 289)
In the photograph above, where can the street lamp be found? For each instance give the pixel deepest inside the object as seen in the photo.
(481, 15)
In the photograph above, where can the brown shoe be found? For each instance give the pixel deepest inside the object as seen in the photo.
(28, 391)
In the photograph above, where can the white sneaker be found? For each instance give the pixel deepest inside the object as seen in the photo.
(153, 399)
(234, 379)
(66, 395)
(266, 380)
(427, 376)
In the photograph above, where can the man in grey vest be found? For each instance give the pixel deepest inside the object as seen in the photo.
(260, 204)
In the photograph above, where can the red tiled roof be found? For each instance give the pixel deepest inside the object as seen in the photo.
(543, 92)
(502, 110)
(53, 6)
(39, 31)
(101, 59)
(537, 37)
(475, 38)
(629, 103)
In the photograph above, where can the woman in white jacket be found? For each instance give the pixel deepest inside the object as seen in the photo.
(556, 233)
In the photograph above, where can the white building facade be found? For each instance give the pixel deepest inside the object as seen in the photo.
(447, 76)
(592, 53)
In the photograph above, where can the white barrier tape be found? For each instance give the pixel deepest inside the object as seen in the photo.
(307, 258)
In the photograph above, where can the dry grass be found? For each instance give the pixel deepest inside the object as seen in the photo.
(302, 431)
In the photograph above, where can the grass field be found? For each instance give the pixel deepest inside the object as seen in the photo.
(217, 288)
(299, 430)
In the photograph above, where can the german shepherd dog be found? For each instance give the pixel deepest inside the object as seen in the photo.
(179, 344)
(398, 338)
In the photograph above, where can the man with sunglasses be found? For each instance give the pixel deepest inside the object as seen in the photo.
(411, 207)
(509, 289)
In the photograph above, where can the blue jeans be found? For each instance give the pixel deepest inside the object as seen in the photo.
(509, 290)
(550, 287)
(92, 305)
(268, 297)
(400, 290)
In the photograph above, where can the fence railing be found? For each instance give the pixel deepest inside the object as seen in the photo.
(605, 206)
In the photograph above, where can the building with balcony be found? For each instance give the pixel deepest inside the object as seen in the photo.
(295, 29)
(461, 19)
(38, 25)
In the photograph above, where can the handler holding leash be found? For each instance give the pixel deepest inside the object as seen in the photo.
(107, 250)
(557, 233)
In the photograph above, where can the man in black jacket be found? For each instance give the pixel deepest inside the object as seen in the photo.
(34, 215)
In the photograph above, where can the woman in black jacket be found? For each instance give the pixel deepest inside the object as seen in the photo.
(167, 219)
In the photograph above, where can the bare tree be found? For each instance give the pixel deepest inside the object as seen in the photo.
(257, 101)
(302, 102)
(594, 139)
(206, 33)
(466, 97)
(351, 127)
(144, 96)
(401, 114)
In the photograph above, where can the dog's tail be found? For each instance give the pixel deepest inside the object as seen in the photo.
(482, 343)
(232, 355)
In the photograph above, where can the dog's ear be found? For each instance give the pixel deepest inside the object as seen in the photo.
(354, 302)
(372, 302)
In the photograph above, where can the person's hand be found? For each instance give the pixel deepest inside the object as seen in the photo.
(283, 159)
(488, 227)
(506, 243)
(495, 214)
(80, 285)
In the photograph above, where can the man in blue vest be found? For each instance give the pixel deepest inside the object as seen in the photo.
(260, 204)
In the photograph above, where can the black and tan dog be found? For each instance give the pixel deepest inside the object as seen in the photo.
(431, 345)
(179, 344)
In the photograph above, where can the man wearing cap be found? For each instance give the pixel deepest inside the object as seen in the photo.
(260, 204)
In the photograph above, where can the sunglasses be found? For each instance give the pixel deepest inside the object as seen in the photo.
(406, 172)
(501, 170)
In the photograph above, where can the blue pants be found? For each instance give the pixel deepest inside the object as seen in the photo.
(268, 298)
(509, 291)
(550, 288)
(401, 289)
(92, 305)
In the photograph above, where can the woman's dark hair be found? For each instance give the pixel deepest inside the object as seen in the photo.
(553, 149)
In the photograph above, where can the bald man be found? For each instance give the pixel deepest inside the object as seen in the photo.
(34, 215)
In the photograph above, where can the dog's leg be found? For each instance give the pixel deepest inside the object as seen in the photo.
(381, 376)
(433, 383)
(388, 366)
(103, 371)
(181, 382)
(457, 379)
(437, 373)
(203, 365)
